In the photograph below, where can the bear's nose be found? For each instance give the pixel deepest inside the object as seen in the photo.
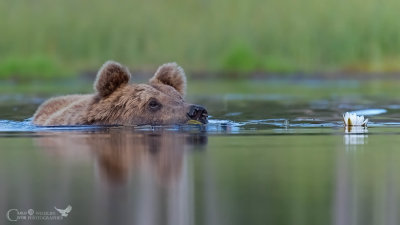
(199, 113)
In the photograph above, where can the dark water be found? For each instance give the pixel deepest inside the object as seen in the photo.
(262, 159)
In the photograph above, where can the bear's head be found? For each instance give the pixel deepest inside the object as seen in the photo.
(160, 102)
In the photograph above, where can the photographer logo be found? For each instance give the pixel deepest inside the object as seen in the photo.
(35, 215)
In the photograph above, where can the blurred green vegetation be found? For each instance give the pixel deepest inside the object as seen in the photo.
(250, 89)
(21, 69)
(51, 38)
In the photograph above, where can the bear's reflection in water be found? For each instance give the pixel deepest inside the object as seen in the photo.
(119, 154)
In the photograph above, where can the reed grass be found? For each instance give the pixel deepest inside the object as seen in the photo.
(202, 35)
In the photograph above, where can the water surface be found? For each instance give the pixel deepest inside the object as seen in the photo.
(264, 158)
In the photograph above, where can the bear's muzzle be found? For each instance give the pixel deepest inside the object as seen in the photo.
(199, 113)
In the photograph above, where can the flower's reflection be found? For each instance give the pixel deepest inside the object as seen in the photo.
(355, 135)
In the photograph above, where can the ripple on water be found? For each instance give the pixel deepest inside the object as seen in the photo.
(214, 125)
(370, 112)
(9, 125)
(27, 126)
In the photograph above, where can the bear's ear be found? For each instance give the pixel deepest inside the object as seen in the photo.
(111, 76)
(171, 74)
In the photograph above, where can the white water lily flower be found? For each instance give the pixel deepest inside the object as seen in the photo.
(351, 119)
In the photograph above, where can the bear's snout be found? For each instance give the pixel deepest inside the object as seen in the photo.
(199, 113)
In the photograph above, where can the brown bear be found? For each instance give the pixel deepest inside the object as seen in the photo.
(115, 102)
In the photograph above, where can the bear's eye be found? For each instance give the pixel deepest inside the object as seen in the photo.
(154, 105)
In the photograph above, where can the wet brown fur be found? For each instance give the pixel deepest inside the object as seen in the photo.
(117, 102)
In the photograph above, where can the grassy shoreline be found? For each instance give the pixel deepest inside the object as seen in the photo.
(235, 37)
(307, 88)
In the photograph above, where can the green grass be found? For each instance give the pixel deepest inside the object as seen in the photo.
(27, 69)
(216, 88)
(231, 36)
